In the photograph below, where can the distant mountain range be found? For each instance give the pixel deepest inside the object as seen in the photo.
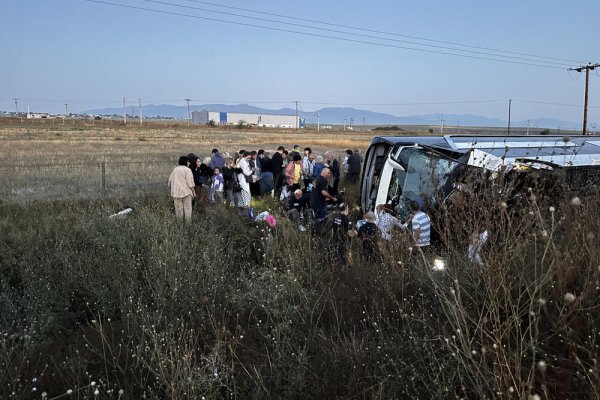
(341, 115)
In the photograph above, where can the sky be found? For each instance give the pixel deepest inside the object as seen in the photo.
(90, 55)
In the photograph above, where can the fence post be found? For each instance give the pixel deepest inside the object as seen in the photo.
(104, 177)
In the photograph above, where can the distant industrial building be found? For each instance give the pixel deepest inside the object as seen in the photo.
(233, 118)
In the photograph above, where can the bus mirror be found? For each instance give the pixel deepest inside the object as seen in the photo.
(394, 164)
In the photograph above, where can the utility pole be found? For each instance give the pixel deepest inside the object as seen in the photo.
(296, 114)
(442, 120)
(528, 123)
(589, 67)
(509, 103)
(124, 112)
(16, 99)
(344, 123)
(318, 120)
(140, 105)
(188, 107)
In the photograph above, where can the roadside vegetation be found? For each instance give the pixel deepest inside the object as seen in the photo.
(146, 307)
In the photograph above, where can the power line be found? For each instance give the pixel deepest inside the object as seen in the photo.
(324, 36)
(381, 32)
(349, 33)
(552, 104)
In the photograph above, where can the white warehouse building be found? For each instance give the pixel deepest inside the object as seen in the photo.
(233, 118)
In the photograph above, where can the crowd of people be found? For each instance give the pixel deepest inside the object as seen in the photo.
(307, 186)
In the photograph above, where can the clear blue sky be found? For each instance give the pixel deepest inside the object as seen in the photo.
(92, 55)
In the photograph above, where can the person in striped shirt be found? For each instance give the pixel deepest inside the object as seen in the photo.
(420, 225)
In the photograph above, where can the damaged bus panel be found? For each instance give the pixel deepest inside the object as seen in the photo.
(427, 169)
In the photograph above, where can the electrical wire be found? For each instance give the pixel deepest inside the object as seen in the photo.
(350, 33)
(322, 36)
(381, 32)
(552, 104)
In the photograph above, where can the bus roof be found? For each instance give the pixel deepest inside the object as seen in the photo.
(558, 151)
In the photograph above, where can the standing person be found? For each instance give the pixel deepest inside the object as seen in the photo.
(231, 184)
(345, 162)
(340, 233)
(386, 221)
(181, 183)
(194, 163)
(296, 150)
(216, 160)
(293, 173)
(306, 166)
(334, 166)
(277, 166)
(318, 199)
(244, 176)
(267, 182)
(367, 233)
(254, 164)
(317, 168)
(354, 167)
(420, 226)
(217, 187)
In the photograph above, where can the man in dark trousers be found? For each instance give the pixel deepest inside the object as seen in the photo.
(277, 162)
(354, 167)
(339, 233)
(318, 199)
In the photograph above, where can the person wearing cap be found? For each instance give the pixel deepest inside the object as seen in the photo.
(367, 233)
(341, 227)
(181, 184)
(216, 160)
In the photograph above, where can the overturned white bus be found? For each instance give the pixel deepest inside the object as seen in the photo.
(428, 169)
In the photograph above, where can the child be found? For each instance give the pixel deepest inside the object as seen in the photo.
(216, 187)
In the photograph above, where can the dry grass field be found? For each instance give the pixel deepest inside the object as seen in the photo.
(48, 159)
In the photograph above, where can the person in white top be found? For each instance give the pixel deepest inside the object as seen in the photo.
(243, 178)
(181, 183)
(386, 222)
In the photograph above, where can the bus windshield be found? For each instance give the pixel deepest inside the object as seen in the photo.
(424, 179)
